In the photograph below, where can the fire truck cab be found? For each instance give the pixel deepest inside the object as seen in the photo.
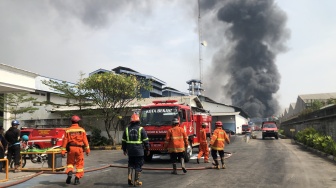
(157, 118)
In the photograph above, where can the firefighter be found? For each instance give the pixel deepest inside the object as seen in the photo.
(217, 144)
(74, 142)
(134, 144)
(203, 147)
(176, 143)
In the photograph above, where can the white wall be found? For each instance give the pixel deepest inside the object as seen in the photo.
(240, 120)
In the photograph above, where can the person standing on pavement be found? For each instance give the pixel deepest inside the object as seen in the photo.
(13, 138)
(134, 143)
(3, 147)
(176, 143)
(217, 144)
(203, 147)
(74, 142)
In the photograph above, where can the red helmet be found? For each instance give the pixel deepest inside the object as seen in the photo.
(75, 119)
(135, 118)
(219, 124)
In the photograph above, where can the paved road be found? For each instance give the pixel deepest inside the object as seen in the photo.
(259, 163)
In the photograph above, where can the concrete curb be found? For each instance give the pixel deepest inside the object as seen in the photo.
(105, 148)
(321, 153)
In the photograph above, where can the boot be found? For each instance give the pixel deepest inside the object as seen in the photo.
(68, 180)
(223, 164)
(76, 181)
(130, 172)
(174, 169)
(137, 183)
(197, 161)
(16, 169)
(183, 166)
(215, 163)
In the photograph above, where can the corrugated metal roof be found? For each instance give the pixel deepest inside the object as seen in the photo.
(318, 96)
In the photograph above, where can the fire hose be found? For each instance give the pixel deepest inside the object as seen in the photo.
(228, 155)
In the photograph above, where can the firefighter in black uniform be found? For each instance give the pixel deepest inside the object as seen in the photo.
(134, 142)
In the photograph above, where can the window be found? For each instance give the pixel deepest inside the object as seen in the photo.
(184, 115)
(188, 116)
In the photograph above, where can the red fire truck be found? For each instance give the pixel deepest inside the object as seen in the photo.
(44, 137)
(157, 118)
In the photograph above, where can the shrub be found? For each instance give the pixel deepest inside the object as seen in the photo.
(312, 138)
(97, 139)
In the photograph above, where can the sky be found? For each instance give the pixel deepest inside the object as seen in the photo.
(60, 39)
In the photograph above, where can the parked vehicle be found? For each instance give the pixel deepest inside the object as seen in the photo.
(269, 129)
(44, 137)
(34, 158)
(157, 118)
(229, 132)
(246, 129)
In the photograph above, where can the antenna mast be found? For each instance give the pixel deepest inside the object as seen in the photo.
(200, 40)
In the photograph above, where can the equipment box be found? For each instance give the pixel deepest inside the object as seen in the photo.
(57, 162)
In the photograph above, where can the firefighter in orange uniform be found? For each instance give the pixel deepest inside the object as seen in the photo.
(74, 142)
(176, 143)
(203, 147)
(217, 144)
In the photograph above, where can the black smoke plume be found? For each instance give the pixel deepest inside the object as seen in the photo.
(255, 33)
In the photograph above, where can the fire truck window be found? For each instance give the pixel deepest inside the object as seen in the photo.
(183, 118)
(188, 116)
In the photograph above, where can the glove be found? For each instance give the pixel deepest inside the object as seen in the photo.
(63, 153)
(87, 152)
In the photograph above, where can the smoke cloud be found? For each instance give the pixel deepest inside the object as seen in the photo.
(245, 66)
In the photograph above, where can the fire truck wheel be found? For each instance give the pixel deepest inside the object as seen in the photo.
(148, 158)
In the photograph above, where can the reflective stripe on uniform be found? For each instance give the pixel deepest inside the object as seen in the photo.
(87, 147)
(134, 142)
(63, 148)
(176, 149)
(75, 130)
(70, 166)
(79, 170)
(176, 137)
(216, 148)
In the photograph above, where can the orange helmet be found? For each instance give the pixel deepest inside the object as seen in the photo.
(135, 118)
(218, 124)
(75, 119)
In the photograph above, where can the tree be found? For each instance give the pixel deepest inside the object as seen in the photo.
(112, 93)
(17, 103)
(74, 93)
